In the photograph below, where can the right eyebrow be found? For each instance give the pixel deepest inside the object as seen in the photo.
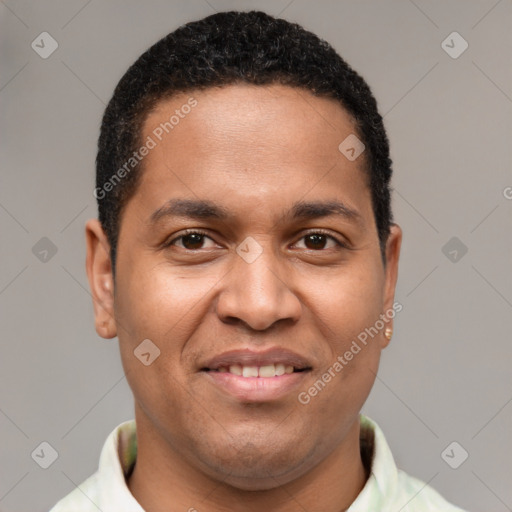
(192, 208)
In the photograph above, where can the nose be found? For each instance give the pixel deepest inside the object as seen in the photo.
(255, 295)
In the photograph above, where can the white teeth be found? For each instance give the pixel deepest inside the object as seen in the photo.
(236, 369)
(250, 371)
(279, 369)
(268, 370)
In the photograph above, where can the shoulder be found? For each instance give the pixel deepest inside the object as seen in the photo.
(106, 489)
(417, 496)
(389, 488)
(83, 499)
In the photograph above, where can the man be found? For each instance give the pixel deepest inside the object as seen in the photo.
(246, 259)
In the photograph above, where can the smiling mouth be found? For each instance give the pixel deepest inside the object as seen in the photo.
(264, 371)
(252, 376)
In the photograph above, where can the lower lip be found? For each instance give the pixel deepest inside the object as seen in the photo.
(257, 389)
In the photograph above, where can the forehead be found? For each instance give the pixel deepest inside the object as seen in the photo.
(251, 142)
(264, 118)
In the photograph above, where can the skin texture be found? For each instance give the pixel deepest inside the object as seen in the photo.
(254, 151)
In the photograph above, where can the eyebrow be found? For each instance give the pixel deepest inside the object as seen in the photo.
(203, 210)
(312, 210)
(195, 209)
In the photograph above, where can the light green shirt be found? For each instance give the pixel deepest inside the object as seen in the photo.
(387, 489)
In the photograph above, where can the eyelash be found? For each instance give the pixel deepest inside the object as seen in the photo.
(340, 244)
(186, 233)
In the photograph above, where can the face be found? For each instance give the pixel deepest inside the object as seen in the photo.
(250, 247)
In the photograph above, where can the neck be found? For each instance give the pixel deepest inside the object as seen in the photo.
(163, 481)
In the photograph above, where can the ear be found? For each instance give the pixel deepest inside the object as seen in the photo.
(393, 245)
(101, 280)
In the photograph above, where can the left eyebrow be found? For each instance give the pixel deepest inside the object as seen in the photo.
(312, 210)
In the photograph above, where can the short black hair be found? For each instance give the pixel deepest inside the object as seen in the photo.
(223, 49)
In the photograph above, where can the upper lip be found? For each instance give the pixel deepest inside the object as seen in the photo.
(246, 357)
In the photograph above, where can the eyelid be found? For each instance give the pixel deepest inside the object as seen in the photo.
(200, 231)
(181, 234)
(328, 234)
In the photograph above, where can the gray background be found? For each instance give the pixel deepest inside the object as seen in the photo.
(446, 375)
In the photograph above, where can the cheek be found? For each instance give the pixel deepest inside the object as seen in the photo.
(346, 307)
(153, 303)
(351, 357)
(158, 303)
(349, 302)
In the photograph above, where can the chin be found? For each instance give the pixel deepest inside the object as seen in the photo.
(254, 484)
(255, 479)
(253, 468)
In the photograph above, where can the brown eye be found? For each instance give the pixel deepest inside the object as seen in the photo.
(192, 241)
(315, 241)
(319, 241)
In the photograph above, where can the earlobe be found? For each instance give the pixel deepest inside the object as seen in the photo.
(387, 334)
(393, 245)
(101, 281)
